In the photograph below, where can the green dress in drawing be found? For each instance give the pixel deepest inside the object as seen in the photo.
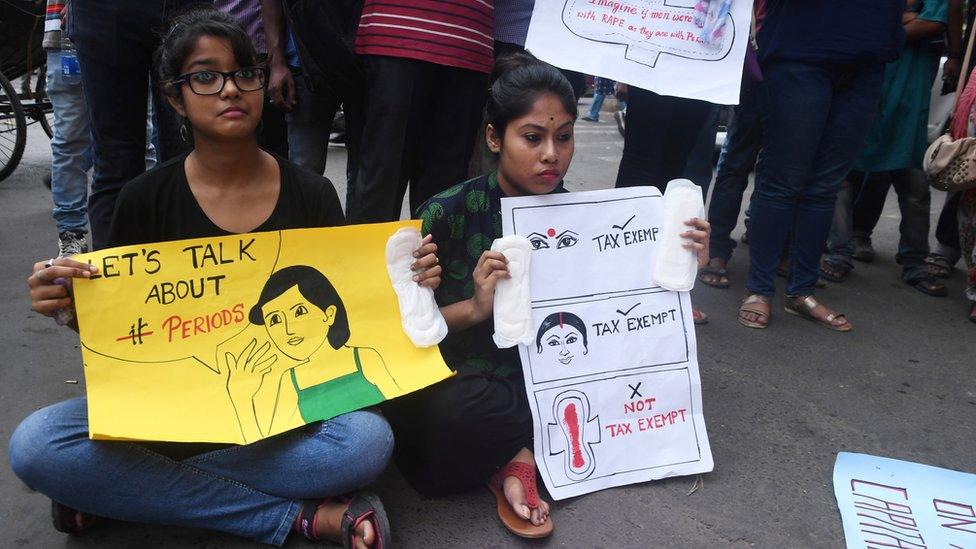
(336, 396)
(301, 311)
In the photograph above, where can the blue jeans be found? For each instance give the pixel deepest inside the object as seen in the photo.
(735, 163)
(71, 149)
(253, 491)
(815, 119)
(597, 104)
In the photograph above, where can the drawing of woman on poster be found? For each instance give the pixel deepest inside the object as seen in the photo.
(564, 333)
(301, 311)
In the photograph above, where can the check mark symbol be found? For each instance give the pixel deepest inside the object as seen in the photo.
(623, 313)
(624, 226)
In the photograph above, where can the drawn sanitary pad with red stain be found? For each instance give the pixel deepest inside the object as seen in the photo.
(574, 434)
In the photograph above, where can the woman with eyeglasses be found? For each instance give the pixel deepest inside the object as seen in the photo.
(296, 481)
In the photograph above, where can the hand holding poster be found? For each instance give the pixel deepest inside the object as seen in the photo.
(612, 373)
(665, 46)
(236, 338)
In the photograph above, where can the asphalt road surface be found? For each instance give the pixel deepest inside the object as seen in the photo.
(779, 403)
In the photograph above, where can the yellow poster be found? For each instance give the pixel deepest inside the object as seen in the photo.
(236, 338)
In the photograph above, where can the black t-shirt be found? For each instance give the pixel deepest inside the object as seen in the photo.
(159, 206)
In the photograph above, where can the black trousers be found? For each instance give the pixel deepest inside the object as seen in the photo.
(116, 40)
(452, 436)
(659, 137)
(420, 123)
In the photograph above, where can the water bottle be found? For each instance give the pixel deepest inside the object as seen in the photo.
(70, 70)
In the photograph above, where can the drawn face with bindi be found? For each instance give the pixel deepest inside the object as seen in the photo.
(297, 326)
(563, 336)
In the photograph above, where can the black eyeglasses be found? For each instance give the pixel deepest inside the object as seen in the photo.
(212, 82)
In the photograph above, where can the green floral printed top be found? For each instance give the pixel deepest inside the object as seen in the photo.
(465, 220)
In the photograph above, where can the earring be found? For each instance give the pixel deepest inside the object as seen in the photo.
(184, 132)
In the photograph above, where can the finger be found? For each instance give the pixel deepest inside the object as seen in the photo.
(490, 254)
(50, 274)
(258, 355)
(231, 361)
(265, 366)
(493, 265)
(425, 248)
(48, 307)
(290, 84)
(697, 236)
(698, 223)
(428, 260)
(434, 271)
(433, 283)
(248, 351)
(696, 246)
(48, 291)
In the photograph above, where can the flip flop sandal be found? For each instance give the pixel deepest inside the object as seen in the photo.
(716, 272)
(525, 473)
(698, 317)
(63, 519)
(763, 314)
(363, 506)
(834, 271)
(927, 284)
(938, 265)
(803, 307)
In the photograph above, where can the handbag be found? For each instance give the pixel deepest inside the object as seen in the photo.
(951, 163)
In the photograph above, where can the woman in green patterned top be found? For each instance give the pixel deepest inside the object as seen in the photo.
(477, 425)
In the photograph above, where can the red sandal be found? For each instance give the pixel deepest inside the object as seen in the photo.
(525, 473)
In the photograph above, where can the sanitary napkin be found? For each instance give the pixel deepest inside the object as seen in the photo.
(512, 306)
(676, 266)
(419, 313)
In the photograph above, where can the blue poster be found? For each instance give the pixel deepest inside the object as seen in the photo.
(890, 503)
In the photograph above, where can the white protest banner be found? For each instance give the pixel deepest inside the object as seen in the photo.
(891, 503)
(612, 373)
(652, 44)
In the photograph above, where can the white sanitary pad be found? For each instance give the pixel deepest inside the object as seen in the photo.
(419, 313)
(676, 266)
(512, 306)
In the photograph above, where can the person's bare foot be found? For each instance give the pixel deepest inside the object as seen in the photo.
(328, 525)
(714, 274)
(754, 311)
(515, 494)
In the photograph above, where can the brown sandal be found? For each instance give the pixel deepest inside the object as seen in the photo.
(803, 307)
(753, 299)
(525, 473)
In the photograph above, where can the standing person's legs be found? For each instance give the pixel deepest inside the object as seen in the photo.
(252, 491)
(660, 135)
(373, 197)
(947, 230)
(853, 105)
(71, 158)
(594, 113)
(736, 161)
(914, 201)
(114, 52)
(839, 261)
(309, 126)
(797, 100)
(699, 166)
(868, 206)
(451, 119)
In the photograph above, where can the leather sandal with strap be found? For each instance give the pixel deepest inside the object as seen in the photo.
(749, 306)
(363, 506)
(525, 473)
(803, 307)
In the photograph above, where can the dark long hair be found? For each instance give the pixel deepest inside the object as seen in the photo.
(558, 319)
(315, 287)
(517, 81)
(189, 25)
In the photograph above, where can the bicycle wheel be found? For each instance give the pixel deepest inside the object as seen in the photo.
(45, 112)
(13, 128)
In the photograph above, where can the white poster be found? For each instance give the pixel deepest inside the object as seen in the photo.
(891, 503)
(612, 374)
(652, 44)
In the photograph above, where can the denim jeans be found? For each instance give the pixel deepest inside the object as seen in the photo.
(309, 126)
(660, 135)
(736, 161)
(253, 491)
(596, 106)
(815, 119)
(914, 202)
(116, 41)
(71, 149)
